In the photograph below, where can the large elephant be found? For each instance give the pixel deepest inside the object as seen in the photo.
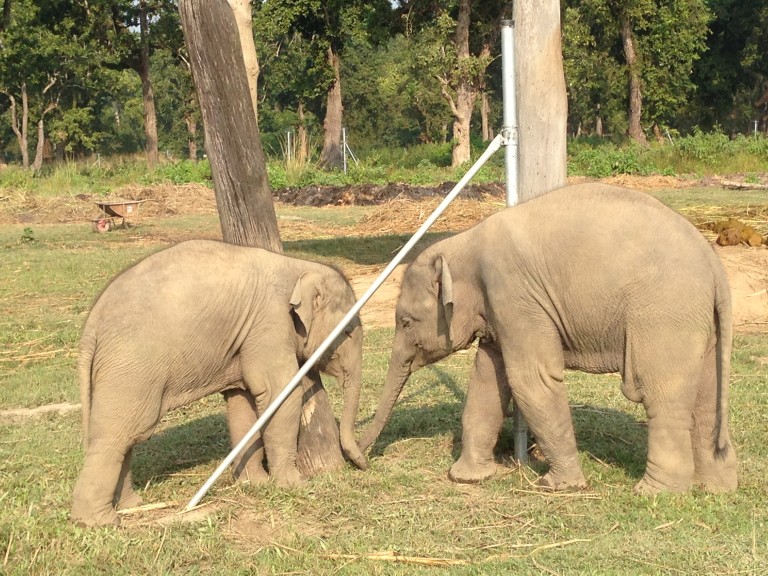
(198, 318)
(588, 277)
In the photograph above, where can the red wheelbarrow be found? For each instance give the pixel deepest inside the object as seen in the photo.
(113, 209)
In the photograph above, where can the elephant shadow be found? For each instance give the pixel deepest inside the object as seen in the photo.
(180, 448)
(610, 436)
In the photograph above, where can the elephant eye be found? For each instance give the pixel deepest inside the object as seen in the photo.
(406, 323)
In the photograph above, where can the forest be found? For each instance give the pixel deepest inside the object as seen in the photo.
(107, 78)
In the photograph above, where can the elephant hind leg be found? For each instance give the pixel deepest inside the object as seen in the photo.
(669, 396)
(125, 495)
(714, 472)
(95, 490)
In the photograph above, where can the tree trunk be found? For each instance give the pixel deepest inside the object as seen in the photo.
(485, 110)
(20, 130)
(466, 94)
(542, 105)
(635, 130)
(240, 181)
(40, 148)
(148, 95)
(302, 141)
(331, 156)
(244, 19)
(38, 162)
(191, 123)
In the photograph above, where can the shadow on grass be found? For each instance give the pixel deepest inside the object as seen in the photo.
(364, 250)
(179, 448)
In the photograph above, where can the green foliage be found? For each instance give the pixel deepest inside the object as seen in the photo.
(182, 172)
(699, 153)
(28, 236)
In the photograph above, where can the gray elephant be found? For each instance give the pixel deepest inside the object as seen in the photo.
(198, 318)
(588, 277)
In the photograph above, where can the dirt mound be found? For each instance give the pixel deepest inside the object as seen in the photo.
(371, 194)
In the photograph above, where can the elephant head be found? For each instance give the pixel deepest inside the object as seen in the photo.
(318, 303)
(435, 316)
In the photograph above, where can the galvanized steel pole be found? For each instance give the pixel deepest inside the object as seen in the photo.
(509, 132)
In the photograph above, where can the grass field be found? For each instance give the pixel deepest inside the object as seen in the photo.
(403, 516)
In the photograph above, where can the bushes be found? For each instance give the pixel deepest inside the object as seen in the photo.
(699, 153)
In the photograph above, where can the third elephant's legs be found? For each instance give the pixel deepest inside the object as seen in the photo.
(488, 396)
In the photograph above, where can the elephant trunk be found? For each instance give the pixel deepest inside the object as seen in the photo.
(397, 375)
(351, 385)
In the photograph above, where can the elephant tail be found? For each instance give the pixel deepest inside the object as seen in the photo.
(724, 346)
(84, 376)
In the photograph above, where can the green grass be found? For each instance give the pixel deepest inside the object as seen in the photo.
(334, 523)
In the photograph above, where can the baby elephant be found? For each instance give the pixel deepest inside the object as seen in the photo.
(588, 277)
(199, 318)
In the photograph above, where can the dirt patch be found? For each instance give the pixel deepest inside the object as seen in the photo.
(747, 270)
(21, 414)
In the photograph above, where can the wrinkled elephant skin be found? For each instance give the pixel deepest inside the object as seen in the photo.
(588, 277)
(195, 319)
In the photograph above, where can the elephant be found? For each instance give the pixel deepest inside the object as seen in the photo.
(588, 277)
(198, 318)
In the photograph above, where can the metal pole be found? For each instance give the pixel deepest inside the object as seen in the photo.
(509, 115)
(272, 408)
(509, 131)
(288, 146)
(344, 147)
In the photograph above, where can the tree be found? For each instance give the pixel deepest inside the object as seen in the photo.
(542, 106)
(655, 44)
(243, 197)
(455, 42)
(47, 56)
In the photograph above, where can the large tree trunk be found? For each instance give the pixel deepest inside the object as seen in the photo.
(635, 130)
(244, 19)
(331, 156)
(542, 105)
(243, 197)
(148, 95)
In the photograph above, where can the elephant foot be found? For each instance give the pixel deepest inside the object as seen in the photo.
(715, 473)
(253, 474)
(649, 486)
(129, 500)
(723, 481)
(91, 518)
(471, 473)
(288, 477)
(563, 482)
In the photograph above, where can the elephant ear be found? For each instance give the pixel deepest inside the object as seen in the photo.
(445, 291)
(305, 299)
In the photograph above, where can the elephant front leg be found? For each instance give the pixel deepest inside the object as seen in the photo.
(536, 373)
(266, 377)
(241, 416)
(488, 395)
